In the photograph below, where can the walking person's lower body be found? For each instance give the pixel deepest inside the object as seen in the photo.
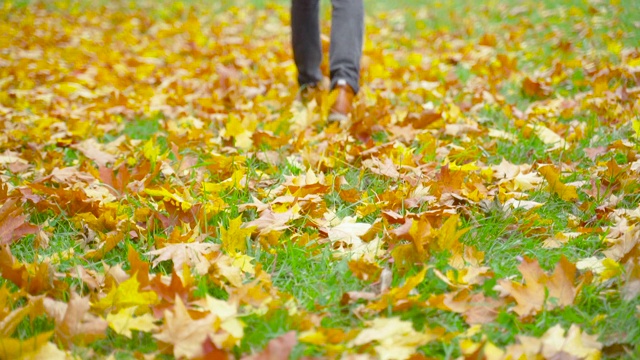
(345, 51)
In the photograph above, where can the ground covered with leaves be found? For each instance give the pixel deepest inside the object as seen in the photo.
(164, 194)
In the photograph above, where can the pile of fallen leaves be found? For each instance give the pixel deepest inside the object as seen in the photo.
(149, 157)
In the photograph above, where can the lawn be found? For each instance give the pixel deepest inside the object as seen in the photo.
(163, 193)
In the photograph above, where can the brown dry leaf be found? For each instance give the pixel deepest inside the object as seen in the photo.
(108, 242)
(192, 254)
(272, 221)
(556, 343)
(623, 240)
(364, 269)
(34, 278)
(530, 297)
(13, 225)
(385, 168)
(93, 150)
(186, 334)
(475, 308)
(277, 349)
(535, 87)
(74, 324)
(12, 319)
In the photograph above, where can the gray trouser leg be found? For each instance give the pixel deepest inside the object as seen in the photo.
(305, 39)
(347, 32)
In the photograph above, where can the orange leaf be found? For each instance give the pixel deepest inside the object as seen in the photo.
(396, 296)
(13, 223)
(33, 278)
(364, 269)
(531, 297)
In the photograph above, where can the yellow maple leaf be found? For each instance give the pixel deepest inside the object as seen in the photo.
(233, 127)
(124, 321)
(449, 236)
(125, 295)
(548, 136)
(636, 127)
(151, 151)
(243, 262)
(230, 329)
(234, 238)
(11, 348)
(393, 338)
(314, 337)
(399, 294)
(611, 269)
(565, 192)
(166, 195)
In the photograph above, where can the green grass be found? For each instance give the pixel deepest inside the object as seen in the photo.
(316, 280)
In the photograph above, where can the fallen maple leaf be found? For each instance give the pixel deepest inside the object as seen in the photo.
(270, 220)
(535, 87)
(37, 347)
(346, 238)
(449, 236)
(531, 296)
(234, 238)
(392, 338)
(12, 319)
(554, 344)
(576, 343)
(400, 295)
(92, 150)
(185, 334)
(385, 168)
(364, 269)
(126, 295)
(475, 308)
(74, 324)
(548, 136)
(125, 320)
(13, 223)
(277, 349)
(229, 328)
(191, 254)
(565, 192)
(34, 278)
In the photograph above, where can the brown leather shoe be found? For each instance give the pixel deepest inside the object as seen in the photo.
(342, 96)
(308, 93)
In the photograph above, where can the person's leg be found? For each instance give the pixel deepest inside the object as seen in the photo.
(347, 36)
(305, 39)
